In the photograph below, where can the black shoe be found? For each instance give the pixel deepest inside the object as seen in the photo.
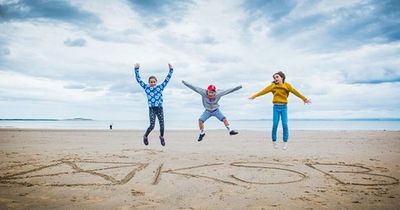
(145, 140)
(162, 140)
(201, 137)
(233, 132)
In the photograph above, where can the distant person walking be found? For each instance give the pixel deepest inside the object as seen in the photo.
(155, 101)
(280, 90)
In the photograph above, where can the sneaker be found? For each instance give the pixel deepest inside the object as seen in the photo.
(275, 144)
(162, 140)
(285, 146)
(145, 140)
(201, 136)
(233, 132)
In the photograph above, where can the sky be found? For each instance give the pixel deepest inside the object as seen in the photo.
(75, 59)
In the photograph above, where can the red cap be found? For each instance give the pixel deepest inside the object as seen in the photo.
(211, 88)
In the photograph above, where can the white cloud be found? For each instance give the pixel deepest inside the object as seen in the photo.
(20, 86)
(208, 42)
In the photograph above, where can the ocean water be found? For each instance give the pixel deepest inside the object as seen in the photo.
(294, 124)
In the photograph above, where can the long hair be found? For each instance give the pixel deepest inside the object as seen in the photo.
(280, 73)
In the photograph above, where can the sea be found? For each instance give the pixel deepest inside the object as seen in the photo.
(262, 124)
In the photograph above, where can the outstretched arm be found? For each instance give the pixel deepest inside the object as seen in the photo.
(262, 92)
(137, 75)
(225, 92)
(298, 94)
(194, 88)
(168, 77)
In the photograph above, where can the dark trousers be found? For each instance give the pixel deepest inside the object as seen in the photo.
(153, 112)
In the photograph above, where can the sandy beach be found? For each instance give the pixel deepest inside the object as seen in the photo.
(94, 169)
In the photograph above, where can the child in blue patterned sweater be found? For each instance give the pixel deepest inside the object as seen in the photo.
(155, 101)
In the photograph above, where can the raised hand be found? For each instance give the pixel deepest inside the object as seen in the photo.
(137, 66)
(170, 66)
(307, 101)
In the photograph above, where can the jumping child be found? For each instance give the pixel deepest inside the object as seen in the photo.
(210, 98)
(155, 101)
(280, 90)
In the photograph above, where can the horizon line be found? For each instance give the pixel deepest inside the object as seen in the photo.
(261, 119)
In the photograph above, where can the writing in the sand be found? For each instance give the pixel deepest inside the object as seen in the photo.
(235, 173)
(283, 174)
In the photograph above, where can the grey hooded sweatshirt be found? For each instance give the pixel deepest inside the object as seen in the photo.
(210, 104)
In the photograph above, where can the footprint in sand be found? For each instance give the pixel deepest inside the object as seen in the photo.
(137, 193)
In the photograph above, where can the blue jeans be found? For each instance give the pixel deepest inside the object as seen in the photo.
(280, 111)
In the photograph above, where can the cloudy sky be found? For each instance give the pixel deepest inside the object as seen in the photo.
(67, 59)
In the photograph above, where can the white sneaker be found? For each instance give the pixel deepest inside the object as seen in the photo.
(285, 146)
(275, 144)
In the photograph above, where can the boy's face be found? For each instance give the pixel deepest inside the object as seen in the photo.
(277, 79)
(152, 82)
(211, 94)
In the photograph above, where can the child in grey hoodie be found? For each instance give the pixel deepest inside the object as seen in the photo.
(210, 98)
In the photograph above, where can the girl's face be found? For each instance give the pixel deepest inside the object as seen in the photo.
(152, 82)
(277, 79)
(211, 94)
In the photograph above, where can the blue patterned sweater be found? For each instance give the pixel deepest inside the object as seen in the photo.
(154, 94)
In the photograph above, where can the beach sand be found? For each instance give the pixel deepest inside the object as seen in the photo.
(94, 169)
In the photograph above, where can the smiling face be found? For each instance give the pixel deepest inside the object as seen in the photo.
(211, 94)
(277, 79)
(152, 81)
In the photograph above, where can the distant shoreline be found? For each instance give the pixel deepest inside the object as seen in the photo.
(74, 119)
(296, 119)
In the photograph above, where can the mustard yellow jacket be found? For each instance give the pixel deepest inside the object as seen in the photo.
(280, 92)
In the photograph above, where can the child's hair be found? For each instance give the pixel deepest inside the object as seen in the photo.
(280, 73)
(152, 77)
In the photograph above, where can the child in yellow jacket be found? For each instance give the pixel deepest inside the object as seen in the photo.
(280, 90)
